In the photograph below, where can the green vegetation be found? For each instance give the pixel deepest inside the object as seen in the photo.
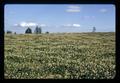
(60, 56)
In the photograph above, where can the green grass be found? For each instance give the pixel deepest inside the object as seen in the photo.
(60, 56)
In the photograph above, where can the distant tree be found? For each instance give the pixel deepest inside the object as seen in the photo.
(28, 31)
(38, 30)
(9, 32)
(47, 32)
(94, 29)
(14, 32)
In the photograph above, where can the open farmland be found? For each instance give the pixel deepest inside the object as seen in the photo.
(60, 56)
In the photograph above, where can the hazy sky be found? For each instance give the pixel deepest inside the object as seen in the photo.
(59, 17)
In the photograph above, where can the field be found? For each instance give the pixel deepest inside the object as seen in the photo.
(60, 56)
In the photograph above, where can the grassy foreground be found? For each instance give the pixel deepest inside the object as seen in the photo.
(60, 56)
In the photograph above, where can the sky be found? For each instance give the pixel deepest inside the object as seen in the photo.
(60, 18)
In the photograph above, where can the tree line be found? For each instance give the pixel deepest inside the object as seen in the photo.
(38, 30)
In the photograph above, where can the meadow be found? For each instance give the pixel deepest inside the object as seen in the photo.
(60, 56)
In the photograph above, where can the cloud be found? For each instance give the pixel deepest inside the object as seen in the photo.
(71, 25)
(43, 25)
(29, 24)
(103, 10)
(67, 25)
(76, 25)
(73, 8)
(16, 25)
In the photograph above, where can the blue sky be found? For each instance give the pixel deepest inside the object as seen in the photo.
(59, 17)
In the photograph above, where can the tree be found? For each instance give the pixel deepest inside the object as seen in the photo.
(38, 30)
(94, 29)
(14, 32)
(47, 32)
(9, 32)
(28, 30)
